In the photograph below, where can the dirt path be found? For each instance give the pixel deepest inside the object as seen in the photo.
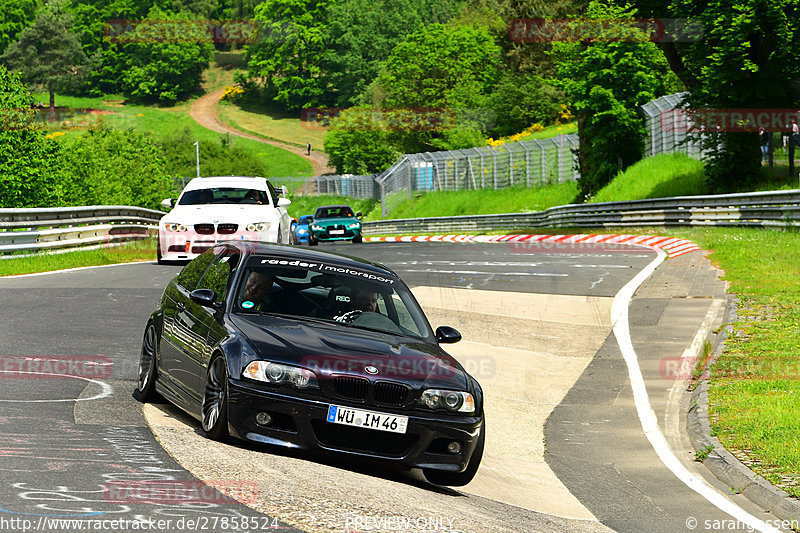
(204, 112)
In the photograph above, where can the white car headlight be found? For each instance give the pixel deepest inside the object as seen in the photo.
(173, 226)
(278, 374)
(302, 231)
(258, 226)
(317, 228)
(456, 401)
(354, 225)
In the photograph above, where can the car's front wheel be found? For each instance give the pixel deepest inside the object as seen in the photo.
(159, 260)
(214, 415)
(459, 479)
(312, 241)
(357, 239)
(146, 387)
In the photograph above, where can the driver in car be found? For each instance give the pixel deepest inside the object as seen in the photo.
(364, 300)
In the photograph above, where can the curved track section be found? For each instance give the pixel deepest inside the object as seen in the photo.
(564, 447)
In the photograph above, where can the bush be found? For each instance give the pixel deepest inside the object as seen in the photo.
(114, 167)
(223, 159)
(28, 160)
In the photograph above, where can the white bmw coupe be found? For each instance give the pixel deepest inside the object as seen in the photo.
(211, 210)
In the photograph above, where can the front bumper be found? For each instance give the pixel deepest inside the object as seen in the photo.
(300, 422)
(324, 235)
(186, 245)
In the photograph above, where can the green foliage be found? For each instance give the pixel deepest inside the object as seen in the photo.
(28, 160)
(361, 34)
(441, 66)
(521, 99)
(606, 81)
(216, 159)
(357, 147)
(747, 57)
(15, 15)
(47, 53)
(287, 56)
(114, 167)
(165, 71)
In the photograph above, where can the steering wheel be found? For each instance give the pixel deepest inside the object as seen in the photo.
(348, 316)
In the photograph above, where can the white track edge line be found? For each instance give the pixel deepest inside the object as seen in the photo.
(647, 417)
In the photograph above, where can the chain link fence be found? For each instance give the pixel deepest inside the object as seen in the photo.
(666, 128)
(514, 164)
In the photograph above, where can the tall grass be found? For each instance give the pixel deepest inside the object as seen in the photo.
(659, 176)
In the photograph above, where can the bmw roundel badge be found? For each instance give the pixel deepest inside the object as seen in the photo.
(370, 370)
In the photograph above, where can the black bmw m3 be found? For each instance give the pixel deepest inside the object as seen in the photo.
(313, 350)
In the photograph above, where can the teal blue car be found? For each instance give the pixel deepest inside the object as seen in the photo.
(334, 223)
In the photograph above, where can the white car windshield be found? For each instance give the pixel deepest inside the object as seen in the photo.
(331, 293)
(224, 195)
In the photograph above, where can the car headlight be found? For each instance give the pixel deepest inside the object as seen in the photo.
(302, 231)
(317, 228)
(174, 226)
(278, 374)
(354, 225)
(456, 401)
(258, 226)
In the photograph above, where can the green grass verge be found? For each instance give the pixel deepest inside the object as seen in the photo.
(142, 250)
(272, 124)
(161, 121)
(655, 177)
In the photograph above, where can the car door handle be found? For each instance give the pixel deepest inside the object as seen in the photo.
(180, 306)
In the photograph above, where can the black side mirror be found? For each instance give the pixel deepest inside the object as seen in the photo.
(206, 298)
(447, 335)
(309, 220)
(358, 214)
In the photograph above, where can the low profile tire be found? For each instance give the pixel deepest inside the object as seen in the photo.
(214, 413)
(459, 479)
(358, 239)
(146, 386)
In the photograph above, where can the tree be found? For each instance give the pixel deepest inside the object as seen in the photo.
(606, 81)
(441, 66)
(46, 53)
(15, 15)
(28, 160)
(361, 34)
(165, 70)
(747, 57)
(358, 146)
(287, 55)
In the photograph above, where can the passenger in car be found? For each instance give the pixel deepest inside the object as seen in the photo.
(256, 287)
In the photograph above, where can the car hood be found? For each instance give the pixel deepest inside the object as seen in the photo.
(337, 349)
(223, 213)
(332, 221)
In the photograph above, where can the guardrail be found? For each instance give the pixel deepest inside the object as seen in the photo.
(774, 208)
(35, 229)
(28, 230)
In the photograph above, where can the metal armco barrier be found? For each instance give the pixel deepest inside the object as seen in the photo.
(34, 229)
(774, 208)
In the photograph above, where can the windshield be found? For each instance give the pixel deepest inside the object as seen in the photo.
(329, 293)
(336, 211)
(224, 195)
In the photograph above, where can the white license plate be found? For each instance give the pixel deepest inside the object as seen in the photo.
(367, 419)
(336, 232)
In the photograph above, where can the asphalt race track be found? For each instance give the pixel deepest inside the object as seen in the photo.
(565, 449)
